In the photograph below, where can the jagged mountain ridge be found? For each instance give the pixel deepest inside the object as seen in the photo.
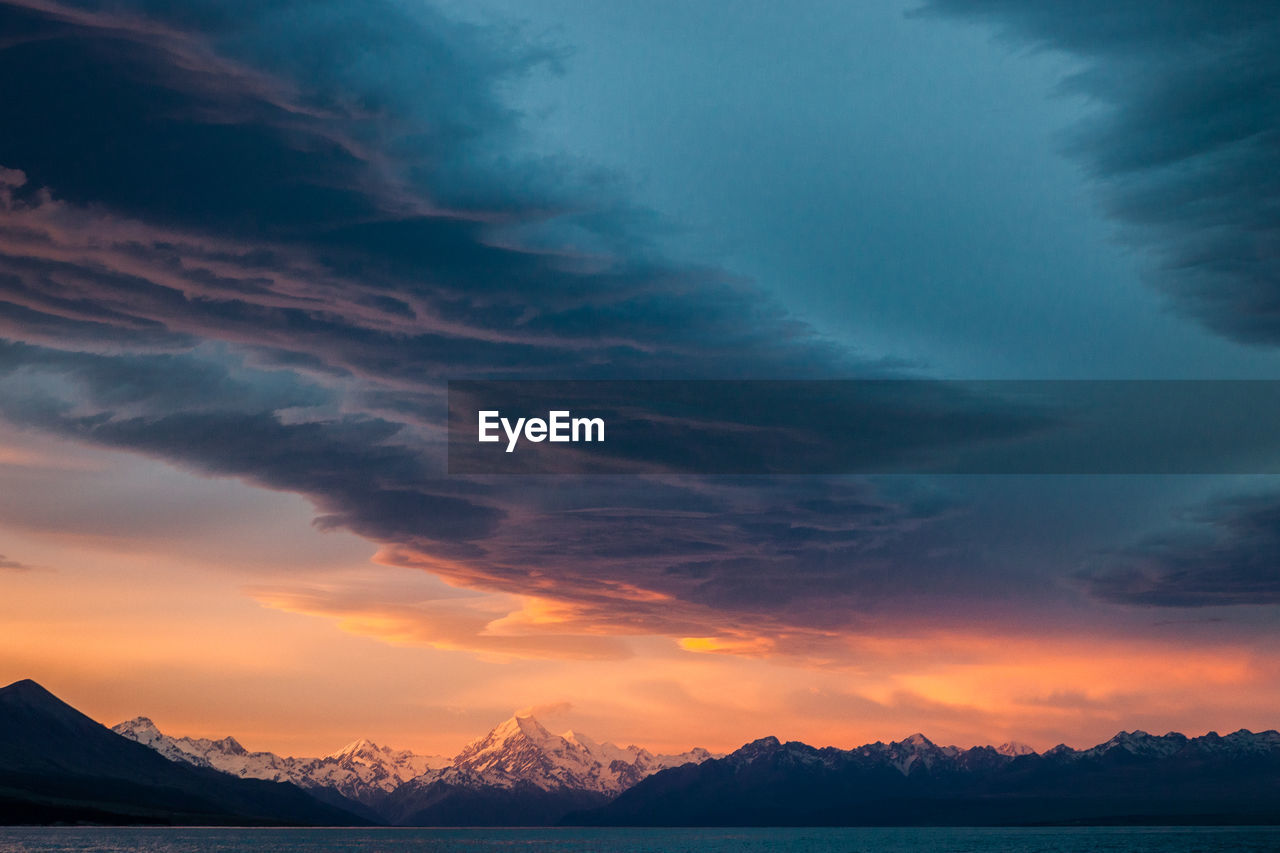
(517, 752)
(520, 773)
(520, 750)
(358, 771)
(1134, 777)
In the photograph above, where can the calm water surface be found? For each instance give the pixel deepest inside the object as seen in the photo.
(1056, 840)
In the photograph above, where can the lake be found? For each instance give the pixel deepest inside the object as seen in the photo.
(855, 840)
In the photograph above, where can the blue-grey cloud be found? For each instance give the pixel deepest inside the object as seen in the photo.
(1184, 141)
(255, 241)
(1225, 554)
(287, 231)
(686, 555)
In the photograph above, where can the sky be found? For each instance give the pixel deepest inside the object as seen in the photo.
(244, 246)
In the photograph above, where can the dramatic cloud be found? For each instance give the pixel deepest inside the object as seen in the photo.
(1185, 145)
(284, 233)
(254, 243)
(1227, 554)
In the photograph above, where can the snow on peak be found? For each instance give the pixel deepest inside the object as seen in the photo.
(137, 723)
(531, 728)
(188, 750)
(580, 739)
(914, 751)
(356, 771)
(517, 751)
(521, 751)
(230, 746)
(1014, 748)
(358, 748)
(514, 733)
(1141, 743)
(141, 729)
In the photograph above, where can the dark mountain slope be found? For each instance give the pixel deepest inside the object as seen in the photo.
(58, 765)
(1133, 778)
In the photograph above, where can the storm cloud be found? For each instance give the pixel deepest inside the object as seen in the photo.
(1226, 553)
(255, 243)
(1184, 143)
(286, 230)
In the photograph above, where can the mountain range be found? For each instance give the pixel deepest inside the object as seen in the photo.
(518, 768)
(360, 771)
(58, 765)
(1133, 778)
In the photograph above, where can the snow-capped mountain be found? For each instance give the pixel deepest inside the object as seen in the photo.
(1139, 743)
(521, 774)
(520, 750)
(1014, 748)
(913, 751)
(363, 765)
(226, 754)
(355, 771)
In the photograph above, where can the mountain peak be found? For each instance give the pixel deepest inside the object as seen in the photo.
(27, 689)
(522, 724)
(363, 746)
(917, 740)
(27, 696)
(141, 729)
(1140, 743)
(521, 751)
(1013, 749)
(518, 734)
(232, 746)
(1148, 776)
(758, 747)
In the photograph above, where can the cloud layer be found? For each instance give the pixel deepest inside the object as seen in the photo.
(285, 233)
(1226, 554)
(254, 243)
(1185, 141)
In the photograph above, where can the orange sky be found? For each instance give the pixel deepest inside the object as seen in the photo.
(218, 608)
